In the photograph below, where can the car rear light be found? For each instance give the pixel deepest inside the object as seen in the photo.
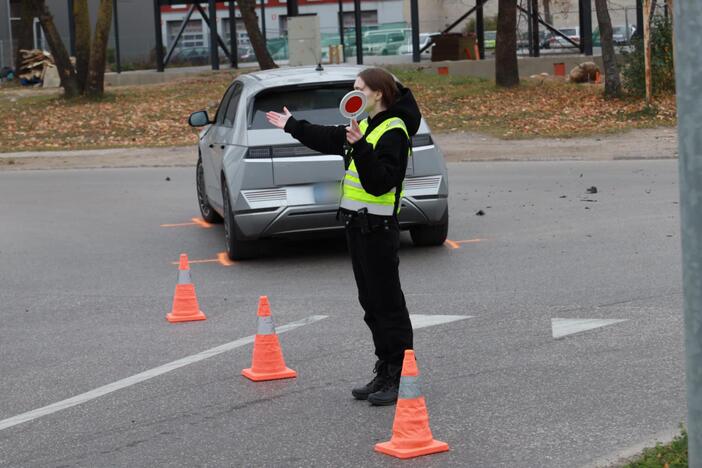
(422, 140)
(292, 151)
(286, 151)
(261, 152)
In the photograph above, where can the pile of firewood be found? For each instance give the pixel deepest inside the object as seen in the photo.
(33, 64)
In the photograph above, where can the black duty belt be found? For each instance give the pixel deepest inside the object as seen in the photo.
(367, 222)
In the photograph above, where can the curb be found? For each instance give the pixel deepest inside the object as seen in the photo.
(624, 456)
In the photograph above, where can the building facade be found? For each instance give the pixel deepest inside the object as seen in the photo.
(137, 36)
(436, 15)
(196, 33)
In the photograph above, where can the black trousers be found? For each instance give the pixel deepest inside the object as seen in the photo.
(375, 266)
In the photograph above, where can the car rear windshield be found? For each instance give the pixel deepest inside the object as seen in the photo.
(316, 105)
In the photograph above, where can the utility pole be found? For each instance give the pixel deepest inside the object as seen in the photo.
(233, 37)
(293, 9)
(118, 59)
(341, 31)
(647, 50)
(214, 51)
(414, 13)
(639, 18)
(480, 27)
(534, 20)
(159, 36)
(688, 64)
(359, 35)
(263, 19)
(71, 27)
(585, 12)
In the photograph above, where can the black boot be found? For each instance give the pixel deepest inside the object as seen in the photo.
(387, 394)
(361, 393)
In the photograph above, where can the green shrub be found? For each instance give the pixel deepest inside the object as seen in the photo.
(662, 69)
(673, 455)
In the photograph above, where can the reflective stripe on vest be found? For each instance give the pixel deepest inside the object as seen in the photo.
(354, 197)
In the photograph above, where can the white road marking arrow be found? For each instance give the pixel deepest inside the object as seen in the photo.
(423, 321)
(561, 327)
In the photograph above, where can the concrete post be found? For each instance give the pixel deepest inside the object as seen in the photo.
(688, 63)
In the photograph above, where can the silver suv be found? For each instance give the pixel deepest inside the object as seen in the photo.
(263, 183)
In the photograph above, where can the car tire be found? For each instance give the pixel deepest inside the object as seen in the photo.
(430, 235)
(236, 249)
(208, 213)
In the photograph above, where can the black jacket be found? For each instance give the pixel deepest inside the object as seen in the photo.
(379, 169)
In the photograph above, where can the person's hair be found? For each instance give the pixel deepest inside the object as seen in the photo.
(378, 79)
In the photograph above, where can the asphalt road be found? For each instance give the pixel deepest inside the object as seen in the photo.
(87, 278)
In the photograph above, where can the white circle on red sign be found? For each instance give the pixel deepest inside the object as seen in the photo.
(353, 104)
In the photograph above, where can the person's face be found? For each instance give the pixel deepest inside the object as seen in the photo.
(373, 98)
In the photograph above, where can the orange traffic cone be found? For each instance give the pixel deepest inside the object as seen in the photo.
(267, 362)
(411, 435)
(185, 306)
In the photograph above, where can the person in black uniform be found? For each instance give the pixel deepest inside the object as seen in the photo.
(375, 153)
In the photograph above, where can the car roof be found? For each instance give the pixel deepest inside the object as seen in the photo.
(286, 76)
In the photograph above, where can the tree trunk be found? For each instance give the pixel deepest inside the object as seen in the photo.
(547, 11)
(95, 85)
(58, 50)
(506, 66)
(25, 35)
(613, 84)
(248, 13)
(82, 20)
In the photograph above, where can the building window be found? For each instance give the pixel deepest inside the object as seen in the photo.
(368, 18)
(192, 34)
(242, 36)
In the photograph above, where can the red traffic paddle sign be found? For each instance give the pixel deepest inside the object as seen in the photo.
(353, 104)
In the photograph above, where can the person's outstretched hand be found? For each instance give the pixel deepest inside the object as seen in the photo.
(278, 120)
(353, 133)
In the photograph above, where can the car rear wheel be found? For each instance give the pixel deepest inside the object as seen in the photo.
(424, 236)
(208, 213)
(236, 249)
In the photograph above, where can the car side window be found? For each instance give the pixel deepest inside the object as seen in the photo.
(230, 115)
(221, 110)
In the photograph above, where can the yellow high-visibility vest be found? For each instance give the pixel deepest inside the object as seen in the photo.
(354, 197)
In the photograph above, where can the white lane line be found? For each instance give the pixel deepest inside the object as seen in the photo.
(423, 321)
(561, 327)
(146, 375)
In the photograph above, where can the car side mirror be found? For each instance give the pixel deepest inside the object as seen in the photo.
(199, 119)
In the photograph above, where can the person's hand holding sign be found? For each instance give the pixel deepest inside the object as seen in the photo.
(278, 120)
(353, 133)
(352, 105)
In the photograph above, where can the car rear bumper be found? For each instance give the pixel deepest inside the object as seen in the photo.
(289, 219)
